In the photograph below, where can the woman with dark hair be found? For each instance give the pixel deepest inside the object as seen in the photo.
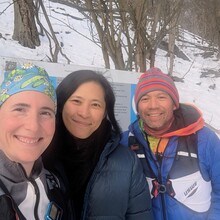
(105, 179)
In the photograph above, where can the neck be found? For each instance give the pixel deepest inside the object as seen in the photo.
(27, 168)
(160, 132)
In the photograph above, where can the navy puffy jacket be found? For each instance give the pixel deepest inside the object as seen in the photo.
(117, 188)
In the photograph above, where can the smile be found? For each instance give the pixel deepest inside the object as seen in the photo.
(28, 140)
(154, 114)
(84, 123)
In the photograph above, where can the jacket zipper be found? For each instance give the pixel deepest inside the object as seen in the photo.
(37, 193)
(158, 162)
(162, 196)
(158, 165)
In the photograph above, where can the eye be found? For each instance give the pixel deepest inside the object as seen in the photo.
(162, 97)
(75, 101)
(96, 105)
(144, 98)
(47, 114)
(19, 109)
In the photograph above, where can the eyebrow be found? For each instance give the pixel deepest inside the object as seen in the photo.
(48, 108)
(29, 106)
(21, 105)
(93, 100)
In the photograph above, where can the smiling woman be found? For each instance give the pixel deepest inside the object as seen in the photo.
(105, 178)
(27, 125)
(84, 111)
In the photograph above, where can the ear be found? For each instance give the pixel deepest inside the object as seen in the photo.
(174, 106)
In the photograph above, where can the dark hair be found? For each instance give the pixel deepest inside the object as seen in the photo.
(72, 81)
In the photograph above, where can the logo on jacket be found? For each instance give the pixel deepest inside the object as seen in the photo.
(191, 190)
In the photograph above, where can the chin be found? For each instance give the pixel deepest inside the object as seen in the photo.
(81, 136)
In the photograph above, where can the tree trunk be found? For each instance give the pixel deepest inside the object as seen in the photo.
(217, 15)
(171, 46)
(25, 30)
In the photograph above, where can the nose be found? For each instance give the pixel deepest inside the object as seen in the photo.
(84, 111)
(153, 103)
(33, 122)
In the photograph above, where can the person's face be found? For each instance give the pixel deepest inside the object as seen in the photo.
(156, 109)
(27, 125)
(84, 111)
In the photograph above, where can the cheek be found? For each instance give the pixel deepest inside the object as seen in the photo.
(140, 110)
(66, 120)
(170, 113)
(98, 118)
(6, 124)
(49, 128)
(67, 113)
(142, 107)
(7, 128)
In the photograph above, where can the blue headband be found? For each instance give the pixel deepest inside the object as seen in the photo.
(26, 78)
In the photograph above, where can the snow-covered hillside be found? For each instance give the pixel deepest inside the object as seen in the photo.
(200, 72)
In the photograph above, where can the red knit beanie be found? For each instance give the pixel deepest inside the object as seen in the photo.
(152, 80)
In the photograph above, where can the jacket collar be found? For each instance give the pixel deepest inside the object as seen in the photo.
(188, 120)
(14, 171)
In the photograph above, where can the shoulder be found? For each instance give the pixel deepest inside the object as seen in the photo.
(124, 138)
(209, 153)
(133, 130)
(207, 137)
(208, 146)
(122, 158)
(125, 151)
(57, 178)
(53, 181)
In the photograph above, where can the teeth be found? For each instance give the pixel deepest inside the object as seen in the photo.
(154, 114)
(28, 140)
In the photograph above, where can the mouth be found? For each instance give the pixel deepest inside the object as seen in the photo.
(154, 114)
(27, 140)
(83, 123)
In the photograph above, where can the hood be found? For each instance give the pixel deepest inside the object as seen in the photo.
(188, 120)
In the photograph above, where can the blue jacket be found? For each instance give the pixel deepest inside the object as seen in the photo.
(196, 195)
(117, 188)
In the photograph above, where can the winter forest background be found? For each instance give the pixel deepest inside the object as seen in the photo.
(181, 37)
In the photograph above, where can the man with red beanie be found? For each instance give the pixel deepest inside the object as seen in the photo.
(179, 155)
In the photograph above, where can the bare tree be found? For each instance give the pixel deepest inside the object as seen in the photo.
(176, 5)
(217, 20)
(205, 21)
(25, 30)
(128, 31)
(53, 42)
